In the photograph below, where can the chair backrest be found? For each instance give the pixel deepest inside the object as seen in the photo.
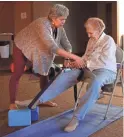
(119, 54)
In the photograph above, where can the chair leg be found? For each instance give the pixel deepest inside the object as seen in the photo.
(115, 83)
(110, 100)
(78, 96)
(122, 84)
(119, 75)
(75, 92)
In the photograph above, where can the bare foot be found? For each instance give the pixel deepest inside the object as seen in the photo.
(25, 103)
(48, 103)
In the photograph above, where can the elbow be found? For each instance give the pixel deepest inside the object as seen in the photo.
(58, 51)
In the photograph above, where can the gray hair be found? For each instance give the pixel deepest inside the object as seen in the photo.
(58, 10)
(97, 23)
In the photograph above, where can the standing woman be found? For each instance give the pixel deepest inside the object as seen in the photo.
(39, 42)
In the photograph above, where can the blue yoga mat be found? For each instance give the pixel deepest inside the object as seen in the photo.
(53, 127)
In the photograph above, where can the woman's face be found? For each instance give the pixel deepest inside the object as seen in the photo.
(59, 21)
(92, 32)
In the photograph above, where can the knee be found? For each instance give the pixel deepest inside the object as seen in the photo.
(94, 82)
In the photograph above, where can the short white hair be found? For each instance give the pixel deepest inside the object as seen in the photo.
(97, 23)
(58, 10)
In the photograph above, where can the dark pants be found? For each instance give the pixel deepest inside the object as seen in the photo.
(20, 61)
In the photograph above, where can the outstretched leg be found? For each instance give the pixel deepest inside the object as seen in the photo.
(43, 84)
(102, 76)
(62, 82)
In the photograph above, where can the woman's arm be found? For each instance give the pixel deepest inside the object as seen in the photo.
(64, 41)
(45, 33)
(78, 60)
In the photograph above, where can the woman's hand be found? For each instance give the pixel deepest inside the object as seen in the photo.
(78, 63)
(67, 63)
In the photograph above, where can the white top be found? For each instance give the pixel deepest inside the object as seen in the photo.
(101, 53)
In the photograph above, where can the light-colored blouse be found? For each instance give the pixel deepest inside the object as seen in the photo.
(101, 53)
(37, 43)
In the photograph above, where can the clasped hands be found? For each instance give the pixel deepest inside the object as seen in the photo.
(78, 63)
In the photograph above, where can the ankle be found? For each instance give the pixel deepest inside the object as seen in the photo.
(13, 106)
(72, 125)
(75, 119)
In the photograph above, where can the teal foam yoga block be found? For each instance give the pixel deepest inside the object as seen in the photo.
(35, 114)
(20, 117)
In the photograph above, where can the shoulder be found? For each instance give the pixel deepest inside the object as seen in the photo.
(42, 22)
(109, 42)
(108, 38)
